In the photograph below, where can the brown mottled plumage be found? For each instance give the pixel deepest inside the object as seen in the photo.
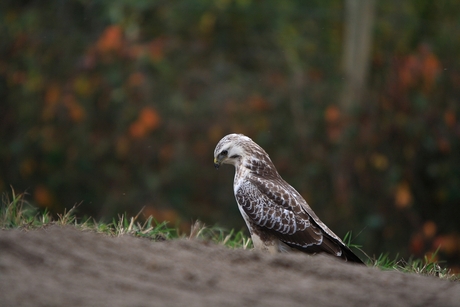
(278, 217)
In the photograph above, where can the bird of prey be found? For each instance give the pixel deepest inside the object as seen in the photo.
(277, 216)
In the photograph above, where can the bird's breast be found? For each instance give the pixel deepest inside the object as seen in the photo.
(240, 176)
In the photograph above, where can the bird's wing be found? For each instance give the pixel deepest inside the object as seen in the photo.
(274, 215)
(278, 208)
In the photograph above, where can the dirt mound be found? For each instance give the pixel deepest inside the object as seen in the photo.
(62, 266)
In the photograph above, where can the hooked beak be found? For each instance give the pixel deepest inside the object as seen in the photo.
(217, 163)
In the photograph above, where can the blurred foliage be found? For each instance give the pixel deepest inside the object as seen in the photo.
(118, 105)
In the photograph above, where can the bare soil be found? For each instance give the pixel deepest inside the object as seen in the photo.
(63, 266)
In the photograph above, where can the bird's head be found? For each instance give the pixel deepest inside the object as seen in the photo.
(231, 149)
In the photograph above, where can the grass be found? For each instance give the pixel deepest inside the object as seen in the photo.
(425, 266)
(15, 212)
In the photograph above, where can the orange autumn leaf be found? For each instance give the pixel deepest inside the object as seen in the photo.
(429, 229)
(147, 121)
(403, 195)
(52, 94)
(43, 196)
(332, 114)
(111, 39)
(449, 244)
(430, 68)
(137, 130)
(149, 118)
(422, 66)
(76, 111)
(408, 71)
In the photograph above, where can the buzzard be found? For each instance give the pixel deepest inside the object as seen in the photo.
(278, 217)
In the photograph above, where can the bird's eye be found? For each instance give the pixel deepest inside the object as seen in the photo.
(224, 152)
